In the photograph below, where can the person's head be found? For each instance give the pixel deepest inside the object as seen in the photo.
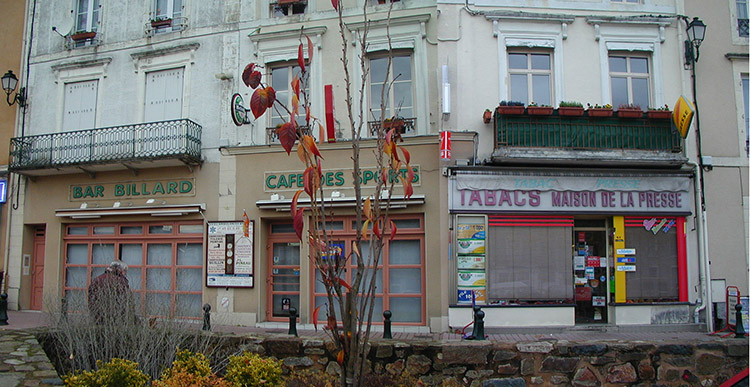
(118, 267)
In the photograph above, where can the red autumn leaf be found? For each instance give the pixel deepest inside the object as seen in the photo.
(315, 316)
(409, 173)
(394, 230)
(295, 107)
(301, 152)
(287, 136)
(299, 223)
(301, 59)
(389, 136)
(247, 75)
(294, 202)
(309, 143)
(295, 85)
(367, 208)
(309, 49)
(261, 100)
(311, 180)
(343, 283)
(383, 175)
(376, 229)
(335, 4)
(407, 155)
(394, 151)
(408, 189)
(307, 115)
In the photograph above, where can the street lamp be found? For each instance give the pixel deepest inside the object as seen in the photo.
(696, 32)
(10, 82)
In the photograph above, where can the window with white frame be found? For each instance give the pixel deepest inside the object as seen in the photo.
(167, 15)
(626, 1)
(746, 112)
(630, 80)
(87, 15)
(281, 77)
(398, 83)
(530, 76)
(742, 18)
(281, 8)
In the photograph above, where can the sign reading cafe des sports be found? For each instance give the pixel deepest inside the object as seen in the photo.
(570, 194)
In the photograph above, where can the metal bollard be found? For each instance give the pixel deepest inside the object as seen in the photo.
(479, 326)
(63, 310)
(293, 321)
(387, 325)
(206, 317)
(476, 310)
(3, 309)
(739, 328)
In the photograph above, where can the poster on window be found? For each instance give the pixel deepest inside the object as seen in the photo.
(470, 231)
(229, 254)
(472, 246)
(470, 262)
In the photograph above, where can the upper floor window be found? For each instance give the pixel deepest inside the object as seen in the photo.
(164, 95)
(746, 112)
(280, 8)
(167, 16)
(630, 78)
(742, 18)
(281, 78)
(626, 1)
(395, 85)
(530, 77)
(87, 15)
(79, 106)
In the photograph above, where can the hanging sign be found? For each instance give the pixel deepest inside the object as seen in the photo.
(626, 268)
(445, 145)
(330, 120)
(229, 254)
(625, 252)
(682, 116)
(626, 260)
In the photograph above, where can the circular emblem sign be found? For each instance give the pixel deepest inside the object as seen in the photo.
(239, 113)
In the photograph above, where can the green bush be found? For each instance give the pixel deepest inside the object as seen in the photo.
(311, 378)
(251, 370)
(190, 362)
(115, 373)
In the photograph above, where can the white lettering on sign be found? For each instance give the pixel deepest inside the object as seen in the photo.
(625, 251)
(626, 268)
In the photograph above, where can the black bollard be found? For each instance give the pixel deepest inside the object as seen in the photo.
(739, 328)
(476, 310)
(63, 310)
(387, 325)
(206, 317)
(3, 309)
(479, 326)
(293, 321)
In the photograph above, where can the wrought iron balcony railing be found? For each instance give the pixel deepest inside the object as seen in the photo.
(586, 133)
(272, 137)
(405, 126)
(176, 139)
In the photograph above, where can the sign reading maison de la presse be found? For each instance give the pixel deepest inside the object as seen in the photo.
(571, 194)
(130, 190)
(333, 178)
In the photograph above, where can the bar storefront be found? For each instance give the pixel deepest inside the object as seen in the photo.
(562, 247)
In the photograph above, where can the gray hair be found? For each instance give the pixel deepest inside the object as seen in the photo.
(118, 267)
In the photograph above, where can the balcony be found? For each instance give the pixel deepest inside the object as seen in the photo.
(588, 140)
(147, 145)
(404, 126)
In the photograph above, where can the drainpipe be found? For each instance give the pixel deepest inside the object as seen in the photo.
(703, 264)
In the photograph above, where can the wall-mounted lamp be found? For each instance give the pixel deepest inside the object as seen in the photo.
(696, 32)
(9, 85)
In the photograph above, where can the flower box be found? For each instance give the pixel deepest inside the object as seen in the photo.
(161, 23)
(599, 112)
(510, 110)
(487, 117)
(78, 36)
(397, 124)
(629, 113)
(540, 110)
(659, 114)
(570, 111)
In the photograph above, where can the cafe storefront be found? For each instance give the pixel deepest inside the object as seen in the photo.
(564, 248)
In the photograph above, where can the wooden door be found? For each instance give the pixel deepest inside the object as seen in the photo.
(37, 269)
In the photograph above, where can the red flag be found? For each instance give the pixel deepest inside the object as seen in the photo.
(245, 224)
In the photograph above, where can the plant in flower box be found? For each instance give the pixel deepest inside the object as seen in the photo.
(161, 21)
(629, 111)
(394, 122)
(487, 116)
(599, 110)
(570, 109)
(661, 113)
(510, 108)
(539, 110)
(83, 35)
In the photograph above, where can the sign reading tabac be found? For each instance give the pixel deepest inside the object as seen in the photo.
(229, 254)
(131, 190)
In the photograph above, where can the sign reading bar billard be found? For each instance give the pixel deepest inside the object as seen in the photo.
(229, 254)
(131, 190)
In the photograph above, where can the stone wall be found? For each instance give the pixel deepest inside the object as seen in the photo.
(475, 363)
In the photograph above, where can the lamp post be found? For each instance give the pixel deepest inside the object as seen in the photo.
(10, 81)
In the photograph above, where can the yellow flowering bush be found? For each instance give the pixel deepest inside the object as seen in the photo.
(115, 373)
(189, 369)
(252, 370)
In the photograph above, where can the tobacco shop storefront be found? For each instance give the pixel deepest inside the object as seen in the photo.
(561, 248)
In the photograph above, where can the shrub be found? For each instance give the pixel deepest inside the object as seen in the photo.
(310, 378)
(511, 103)
(189, 369)
(115, 373)
(251, 369)
(570, 104)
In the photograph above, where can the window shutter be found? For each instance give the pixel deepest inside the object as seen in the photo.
(80, 105)
(163, 95)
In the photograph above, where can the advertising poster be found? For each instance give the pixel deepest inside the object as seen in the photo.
(470, 262)
(470, 231)
(471, 246)
(229, 254)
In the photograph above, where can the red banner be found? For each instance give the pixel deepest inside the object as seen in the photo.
(445, 145)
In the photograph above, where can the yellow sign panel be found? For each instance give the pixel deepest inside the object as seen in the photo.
(682, 116)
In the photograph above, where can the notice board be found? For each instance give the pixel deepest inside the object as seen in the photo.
(230, 254)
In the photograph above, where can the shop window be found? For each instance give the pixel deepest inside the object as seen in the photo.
(164, 270)
(630, 80)
(530, 76)
(656, 276)
(104, 230)
(398, 84)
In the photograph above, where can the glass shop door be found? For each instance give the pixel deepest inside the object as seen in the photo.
(590, 276)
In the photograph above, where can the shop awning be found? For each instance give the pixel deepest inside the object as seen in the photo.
(283, 204)
(161, 210)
